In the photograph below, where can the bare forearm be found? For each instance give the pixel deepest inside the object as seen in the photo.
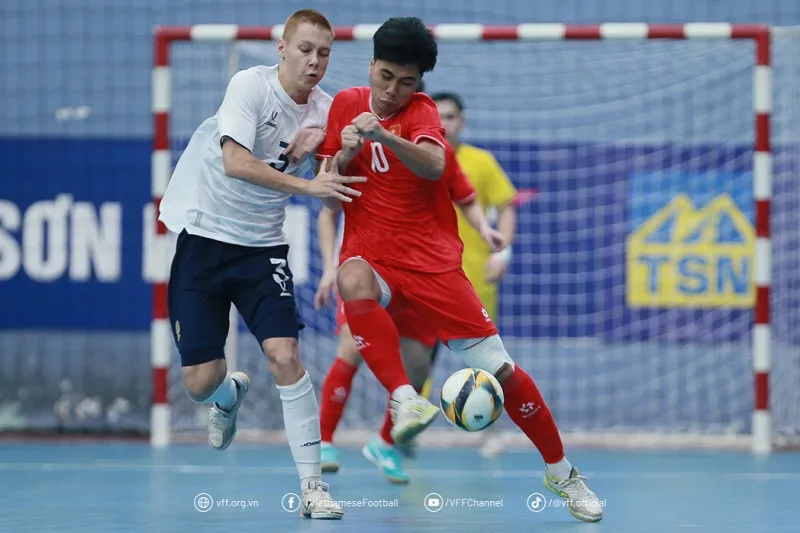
(426, 160)
(326, 237)
(474, 215)
(507, 223)
(242, 165)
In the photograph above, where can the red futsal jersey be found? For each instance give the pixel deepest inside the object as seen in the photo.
(400, 220)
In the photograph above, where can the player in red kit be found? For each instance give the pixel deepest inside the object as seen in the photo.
(416, 341)
(401, 250)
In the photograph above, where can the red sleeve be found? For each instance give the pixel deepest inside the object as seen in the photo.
(458, 185)
(333, 129)
(425, 121)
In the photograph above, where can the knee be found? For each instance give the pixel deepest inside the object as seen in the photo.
(487, 354)
(284, 360)
(356, 281)
(281, 353)
(200, 381)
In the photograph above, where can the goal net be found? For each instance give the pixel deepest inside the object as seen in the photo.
(638, 293)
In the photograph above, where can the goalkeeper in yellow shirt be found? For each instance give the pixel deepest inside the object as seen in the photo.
(496, 194)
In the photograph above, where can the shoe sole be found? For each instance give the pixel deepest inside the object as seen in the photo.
(367, 453)
(405, 434)
(243, 384)
(322, 516)
(565, 497)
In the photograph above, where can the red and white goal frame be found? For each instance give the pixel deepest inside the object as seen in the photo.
(161, 337)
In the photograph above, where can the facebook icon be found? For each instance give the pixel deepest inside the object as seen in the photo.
(290, 502)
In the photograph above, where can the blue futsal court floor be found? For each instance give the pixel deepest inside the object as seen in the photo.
(125, 487)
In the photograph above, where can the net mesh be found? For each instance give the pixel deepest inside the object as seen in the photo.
(628, 296)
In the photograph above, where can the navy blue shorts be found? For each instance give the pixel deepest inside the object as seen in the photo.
(208, 275)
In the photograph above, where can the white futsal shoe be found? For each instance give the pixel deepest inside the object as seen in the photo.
(222, 423)
(582, 503)
(316, 502)
(411, 416)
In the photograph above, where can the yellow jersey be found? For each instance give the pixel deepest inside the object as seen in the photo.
(494, 190)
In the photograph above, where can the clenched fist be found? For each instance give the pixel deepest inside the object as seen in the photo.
(369, 127)
(352, 142)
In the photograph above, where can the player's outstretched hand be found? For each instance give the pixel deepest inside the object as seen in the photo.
(368, 126)
(327, 291)
(329, 183)
(304, 144)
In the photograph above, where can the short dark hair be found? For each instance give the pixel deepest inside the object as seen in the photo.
(405, 41)
(451, 97)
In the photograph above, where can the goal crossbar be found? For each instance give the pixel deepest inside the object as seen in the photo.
(761, 439)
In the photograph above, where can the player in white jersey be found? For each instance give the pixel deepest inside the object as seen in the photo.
(226, 201)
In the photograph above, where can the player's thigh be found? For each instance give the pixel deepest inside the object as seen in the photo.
(448, 304)
(197, 301)
(263, 291)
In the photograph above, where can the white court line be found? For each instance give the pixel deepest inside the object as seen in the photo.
(107, 466)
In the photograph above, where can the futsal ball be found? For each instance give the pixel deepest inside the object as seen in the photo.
(472, 399)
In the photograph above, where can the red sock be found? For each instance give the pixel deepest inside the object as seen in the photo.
(333, 396)
(525, 406)
(386, 429)
(378, 342)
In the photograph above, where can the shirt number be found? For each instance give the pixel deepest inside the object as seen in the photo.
(379, 161)
(283, 161)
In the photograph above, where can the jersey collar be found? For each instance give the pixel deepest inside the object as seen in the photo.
(283, 96)
(377, 115)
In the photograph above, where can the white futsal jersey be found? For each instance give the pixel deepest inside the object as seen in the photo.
(258, 114)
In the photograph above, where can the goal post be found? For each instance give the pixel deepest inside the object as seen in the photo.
(661, 315)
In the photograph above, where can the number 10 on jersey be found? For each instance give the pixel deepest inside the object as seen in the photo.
(379, 161)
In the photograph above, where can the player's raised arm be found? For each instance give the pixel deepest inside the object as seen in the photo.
(425, 158)
(238, 123)
(241, 164)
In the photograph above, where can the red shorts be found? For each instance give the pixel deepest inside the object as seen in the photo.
(445, 302)
(408, 325)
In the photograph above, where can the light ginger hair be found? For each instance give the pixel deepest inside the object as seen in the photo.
(311, 16)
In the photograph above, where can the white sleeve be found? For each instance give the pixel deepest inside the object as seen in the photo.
(241, 107)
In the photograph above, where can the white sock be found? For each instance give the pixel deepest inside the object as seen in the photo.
(560, 470)
(403, 392)
(226, 394)
(301, 420)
